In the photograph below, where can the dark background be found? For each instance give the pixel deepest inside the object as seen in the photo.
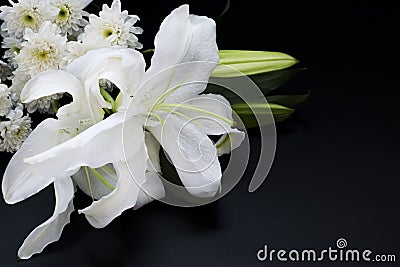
(336, 168)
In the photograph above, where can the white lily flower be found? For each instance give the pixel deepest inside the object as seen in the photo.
(80, 127)
(161, 106)
(179, 73)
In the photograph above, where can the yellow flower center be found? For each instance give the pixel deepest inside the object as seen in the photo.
(63, 14)
(28, 20)
(107, 32)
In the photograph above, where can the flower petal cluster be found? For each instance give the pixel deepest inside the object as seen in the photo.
(41, 51)
(71, 16)
(115, 25)
(35, 34)
(26, 14)
(5, 100)
(15, 130)
(115, 159)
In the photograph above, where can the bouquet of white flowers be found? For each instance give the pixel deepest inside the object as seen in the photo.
(107, 116)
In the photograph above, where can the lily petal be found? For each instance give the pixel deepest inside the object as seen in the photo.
(212, 113)
(51, 82)
(185, 61)
(88, 182)
(50, 230)
(150, 190)
(57, 81)
(131, 175)
(211, 121)
(122, 66)
(229, 141)
(193, 40)
(90, 148)
(153, 149)
(192, 153)
(22, 180)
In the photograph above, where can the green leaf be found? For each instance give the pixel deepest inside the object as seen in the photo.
(225, 92)
(281, 113)
(270, 81)
(234, 63)
(259, 114)
(288, 100)
(266, 82)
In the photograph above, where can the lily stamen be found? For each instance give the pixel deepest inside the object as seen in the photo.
(102, 179)
(189, 107)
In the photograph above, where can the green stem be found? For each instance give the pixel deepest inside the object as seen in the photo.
(56, 105)
(199, 110)
(109, 170)
(226, 140)
(227, 6)
(108, 98)
(148, 51)
(182, 115)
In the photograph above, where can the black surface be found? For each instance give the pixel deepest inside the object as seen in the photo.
(336, 168)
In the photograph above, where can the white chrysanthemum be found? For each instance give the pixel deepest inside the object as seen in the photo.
(26, 14)
(115, 25)
(41, 51)
(13, 46)
(18, 82)
(14, 131)
(81, 47)
(106, 84)
(3, 27)
(43, 105)
(5, 101)
(5, 71)
(70, 15)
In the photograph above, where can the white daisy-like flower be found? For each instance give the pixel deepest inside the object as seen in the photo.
(41, 51)
(18, 82)
(26, 14)
(3, 28)
(5, 101)
(70, 16)
(106, 84)
(115, 25)
(14, 131)
(79, 48)
(13, 46)
(43, 104)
